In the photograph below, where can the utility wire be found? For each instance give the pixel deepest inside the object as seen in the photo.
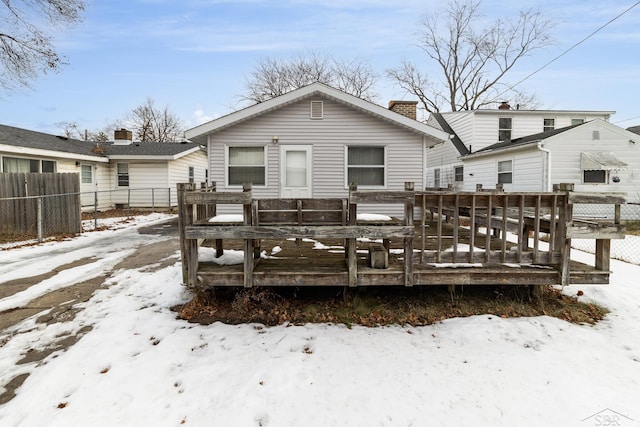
(571, 48)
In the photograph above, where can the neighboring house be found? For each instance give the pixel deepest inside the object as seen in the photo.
(110, 169)
(314, 141)
(594, 155)
(472, 131)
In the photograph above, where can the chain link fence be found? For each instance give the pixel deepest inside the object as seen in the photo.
(28, 218)
(39, 217)
(627, 249)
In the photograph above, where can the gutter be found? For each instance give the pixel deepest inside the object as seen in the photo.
(540, 146)
(501, 150)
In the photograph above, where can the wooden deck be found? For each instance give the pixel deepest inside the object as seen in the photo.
(479, 238)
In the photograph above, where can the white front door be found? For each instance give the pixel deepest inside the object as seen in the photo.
(295, 171)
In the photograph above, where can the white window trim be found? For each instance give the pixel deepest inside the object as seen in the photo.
(454, 173)
(226, 165)
(366, 187)
(29, 158)
(510, 129)
(513, 164)
(548, 118)
(82, 165)
(128, 175)
(607, 178)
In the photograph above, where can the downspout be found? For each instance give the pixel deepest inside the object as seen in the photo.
(547, 182)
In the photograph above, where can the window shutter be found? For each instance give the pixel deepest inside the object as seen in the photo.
(316, 110)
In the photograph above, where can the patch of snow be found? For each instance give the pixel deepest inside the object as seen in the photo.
(372, 217)
(227, 218)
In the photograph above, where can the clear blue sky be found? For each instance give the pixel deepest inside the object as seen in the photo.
(194, 55)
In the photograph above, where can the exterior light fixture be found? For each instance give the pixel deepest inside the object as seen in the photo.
(274, 139)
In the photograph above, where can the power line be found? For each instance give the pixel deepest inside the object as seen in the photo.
(571, 48)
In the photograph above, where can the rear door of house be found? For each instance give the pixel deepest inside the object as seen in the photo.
(87, 184)
(295, 171)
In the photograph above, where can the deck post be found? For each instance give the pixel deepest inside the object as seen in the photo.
(188, 247)
(352, 260)
(566, 219)
(201, 210)
(408, 241)
(248, 243)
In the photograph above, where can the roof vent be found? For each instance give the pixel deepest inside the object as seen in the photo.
(317, 110)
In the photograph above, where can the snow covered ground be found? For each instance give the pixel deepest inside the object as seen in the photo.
(139, 365)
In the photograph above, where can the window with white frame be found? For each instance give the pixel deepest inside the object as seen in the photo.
(504, 128)
(436, 178)
(21, 165)
(505, 172)
(122, 172)
(366, 166)
(548, 124)
(577, 121)
(246, 164)
(86, 174)
(595, 176)
(458, 173)
(192, 174)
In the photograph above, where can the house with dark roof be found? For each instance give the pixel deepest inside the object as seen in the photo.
(314, 142)
(534, 150)
(121, 172)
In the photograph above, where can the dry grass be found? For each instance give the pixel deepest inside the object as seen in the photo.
(381, 306)
(632, 227)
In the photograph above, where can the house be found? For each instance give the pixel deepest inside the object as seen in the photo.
(314, 141)
(533, 150)
(117, 173)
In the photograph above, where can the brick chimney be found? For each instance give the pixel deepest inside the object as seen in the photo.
(504, 105)
(122, 137)
(406, 108)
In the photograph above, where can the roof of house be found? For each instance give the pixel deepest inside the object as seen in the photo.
(59, 146)
(10, 135)
(550, 113)
(457, 142)
(634, 129)
(138, 150)
(539, 137)
(529, 139)
(199, 133)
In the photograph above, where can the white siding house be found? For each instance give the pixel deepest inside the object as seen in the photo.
(314, 141)
(119, 173)
(595, 156)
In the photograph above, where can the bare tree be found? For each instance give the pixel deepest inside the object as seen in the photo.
(472, 63)
(72, 130)
(274, 77)
(153, 124)
(26, 47)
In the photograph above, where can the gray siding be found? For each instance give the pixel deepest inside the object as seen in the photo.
(340, 126)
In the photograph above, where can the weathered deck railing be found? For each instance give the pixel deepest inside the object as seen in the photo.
(496, 228)
(510, 222)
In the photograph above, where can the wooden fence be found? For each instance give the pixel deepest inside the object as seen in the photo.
(39, 205)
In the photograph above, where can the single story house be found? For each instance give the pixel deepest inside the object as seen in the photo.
(121, 172)
(315, 141)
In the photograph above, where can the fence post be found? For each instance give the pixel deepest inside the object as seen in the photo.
(128, 202)
(153, 200)
(39, 216)
(95, 210)
(169, 197)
